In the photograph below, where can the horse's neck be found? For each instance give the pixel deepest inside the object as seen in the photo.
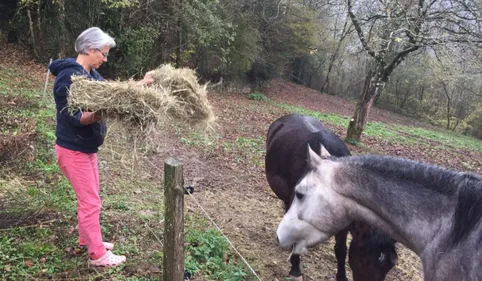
(407, 217)
(360, 212)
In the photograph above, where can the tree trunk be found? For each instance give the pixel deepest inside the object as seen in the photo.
(32, 33)
(448, 114)
(397, 97)
(315, 72)
(422, 92)
(63, 30)
(326, 83)
(449, 101)
(39, 26)
(456, 124)
(405, 96)
(373, 86)
(179, 34)
(161, 48)
(157, 51)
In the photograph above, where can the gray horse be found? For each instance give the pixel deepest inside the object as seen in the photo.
(433, 211)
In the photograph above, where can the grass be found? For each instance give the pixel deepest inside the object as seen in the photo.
(208, 254)
(447, 139)
(244, 149)
(132, 211)
(257, 96)
(30, 252)
(332, 119)
(194, 138)
(400, 134)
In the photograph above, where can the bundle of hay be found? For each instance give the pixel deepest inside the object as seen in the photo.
(175, 94)
(192, 97)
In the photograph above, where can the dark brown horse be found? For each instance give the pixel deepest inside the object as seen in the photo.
(372, 253)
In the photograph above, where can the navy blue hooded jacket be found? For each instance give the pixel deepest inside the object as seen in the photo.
(70, 133)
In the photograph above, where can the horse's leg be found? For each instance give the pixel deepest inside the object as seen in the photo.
(340, 253)
(295, 272)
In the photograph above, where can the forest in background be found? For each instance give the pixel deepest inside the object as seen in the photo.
(417, 58)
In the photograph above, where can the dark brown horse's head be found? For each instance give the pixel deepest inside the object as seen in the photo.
(372, 253)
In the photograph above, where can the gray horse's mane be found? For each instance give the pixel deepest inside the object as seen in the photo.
(466, 186)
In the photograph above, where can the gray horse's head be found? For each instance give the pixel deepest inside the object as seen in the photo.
(317, 211)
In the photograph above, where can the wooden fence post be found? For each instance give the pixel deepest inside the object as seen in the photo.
(173, 262)
(47, 79)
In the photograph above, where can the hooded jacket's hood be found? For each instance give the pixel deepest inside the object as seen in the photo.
(72, 67)
(61, 64)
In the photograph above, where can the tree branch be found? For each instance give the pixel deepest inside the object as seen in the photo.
(396, 61)
(359, 31)
(425, 11)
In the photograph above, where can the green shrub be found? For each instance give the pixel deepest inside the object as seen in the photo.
(207, 254)
(257, 96)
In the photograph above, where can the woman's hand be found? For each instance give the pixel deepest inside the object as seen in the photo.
(147, 80)
(88, 118)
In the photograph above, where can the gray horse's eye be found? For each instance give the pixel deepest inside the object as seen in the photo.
(299, 195)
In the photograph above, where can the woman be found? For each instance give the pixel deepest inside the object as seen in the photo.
(79, 136)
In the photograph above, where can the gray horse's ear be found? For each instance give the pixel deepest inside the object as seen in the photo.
(323, 151)
(314, 160)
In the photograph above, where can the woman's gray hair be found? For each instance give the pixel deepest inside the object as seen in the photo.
(93, 38)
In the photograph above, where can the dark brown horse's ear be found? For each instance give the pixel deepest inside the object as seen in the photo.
(314, 160)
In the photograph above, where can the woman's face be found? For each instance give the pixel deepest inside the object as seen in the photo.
(98, 56)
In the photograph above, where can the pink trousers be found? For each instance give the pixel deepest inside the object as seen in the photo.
(82, 172)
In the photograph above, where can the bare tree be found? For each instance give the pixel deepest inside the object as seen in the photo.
(63, 29)
(346, 30)
(168, 37)
(32, 33)
(390, 30)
